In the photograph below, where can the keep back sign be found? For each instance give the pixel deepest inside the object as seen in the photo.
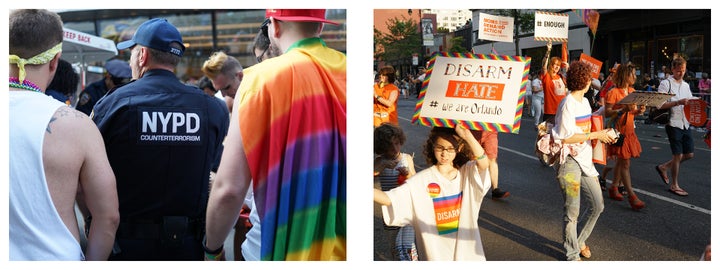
(551, 26)
(481, 92)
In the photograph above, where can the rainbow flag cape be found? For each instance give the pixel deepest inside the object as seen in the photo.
(293, 124)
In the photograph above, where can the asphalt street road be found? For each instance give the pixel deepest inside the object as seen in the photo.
(527, 226)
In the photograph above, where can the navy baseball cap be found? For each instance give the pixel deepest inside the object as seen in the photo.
(118, 68)
(157, 34)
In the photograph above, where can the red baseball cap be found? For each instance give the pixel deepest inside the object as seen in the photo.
(298, 15)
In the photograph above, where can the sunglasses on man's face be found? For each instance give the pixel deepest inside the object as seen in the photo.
(264, 27)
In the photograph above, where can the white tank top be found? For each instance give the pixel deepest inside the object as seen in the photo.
(36, 230)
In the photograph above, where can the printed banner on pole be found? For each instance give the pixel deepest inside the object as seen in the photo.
(495, 28)
(596, 64)
(478, 91)
(551, 26)
(428, 32)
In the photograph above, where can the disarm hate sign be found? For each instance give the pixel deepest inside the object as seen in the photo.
(551, 26)
(481, 92)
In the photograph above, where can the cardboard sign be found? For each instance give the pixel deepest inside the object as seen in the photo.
(479, 91)
(650, 99)
(496, 28)
(596, 64)
(551, 26)
(598, 148)
(696, 112)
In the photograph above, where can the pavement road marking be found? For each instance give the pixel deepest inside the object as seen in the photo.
(656, 196)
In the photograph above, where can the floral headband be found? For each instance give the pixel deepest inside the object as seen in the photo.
(39, 59)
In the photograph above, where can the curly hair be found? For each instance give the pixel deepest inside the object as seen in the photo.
(625, 75)
(385, 135)
(579, 75)
(463, 152)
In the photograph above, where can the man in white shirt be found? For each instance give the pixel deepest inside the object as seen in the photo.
(678, 129)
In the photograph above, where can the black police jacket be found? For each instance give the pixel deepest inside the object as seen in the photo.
(161, 138)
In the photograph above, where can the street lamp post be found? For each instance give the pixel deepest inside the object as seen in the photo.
(421, 54)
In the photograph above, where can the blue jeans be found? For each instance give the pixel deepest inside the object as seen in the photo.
(572, 180)
(537, 108)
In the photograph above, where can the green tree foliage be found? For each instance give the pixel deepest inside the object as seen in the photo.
(523, 20)
(401, 42)
(457, 45)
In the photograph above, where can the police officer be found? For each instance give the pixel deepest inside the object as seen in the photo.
(161, 137)
(117, 72)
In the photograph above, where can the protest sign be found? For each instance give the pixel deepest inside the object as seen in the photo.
(650, 99)
(596, 64)
(551, 26)
(696, 112)
(479, 91)
(495, 28)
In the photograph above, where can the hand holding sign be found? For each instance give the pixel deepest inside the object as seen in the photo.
(696, 112)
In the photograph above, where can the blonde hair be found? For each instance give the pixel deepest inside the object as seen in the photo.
(220, 63)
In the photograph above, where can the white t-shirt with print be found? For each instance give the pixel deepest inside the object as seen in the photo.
(444, 212)
(575, 117)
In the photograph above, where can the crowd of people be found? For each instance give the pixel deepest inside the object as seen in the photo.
(560, 97)
(163, 170)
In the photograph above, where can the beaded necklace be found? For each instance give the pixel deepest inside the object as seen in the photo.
(27, 85)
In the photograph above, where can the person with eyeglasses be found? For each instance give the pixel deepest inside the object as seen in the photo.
(288, 141)
(262, 47)
(442, 202)
(245, 238)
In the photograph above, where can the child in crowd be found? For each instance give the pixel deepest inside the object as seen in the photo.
(392, 168)
(442, 202)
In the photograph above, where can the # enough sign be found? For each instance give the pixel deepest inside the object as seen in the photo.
(551, 26)
(481, 92)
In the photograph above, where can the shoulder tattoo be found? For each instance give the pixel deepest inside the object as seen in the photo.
(61, 113)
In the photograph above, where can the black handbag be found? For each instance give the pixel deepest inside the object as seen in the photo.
(661, 116)
(620, 140)
(621, 137)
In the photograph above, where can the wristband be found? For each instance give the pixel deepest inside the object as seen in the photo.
(587, 136)
(481, 157)
(209, 252)
(215, 257)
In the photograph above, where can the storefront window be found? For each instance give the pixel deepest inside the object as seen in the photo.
(235, 32)
(690, 48)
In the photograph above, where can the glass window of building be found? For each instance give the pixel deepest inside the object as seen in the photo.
(203, 31)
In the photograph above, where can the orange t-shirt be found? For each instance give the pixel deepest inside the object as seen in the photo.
(555, 90)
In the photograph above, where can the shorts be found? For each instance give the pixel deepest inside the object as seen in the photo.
(681, 140)
(489, 142)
